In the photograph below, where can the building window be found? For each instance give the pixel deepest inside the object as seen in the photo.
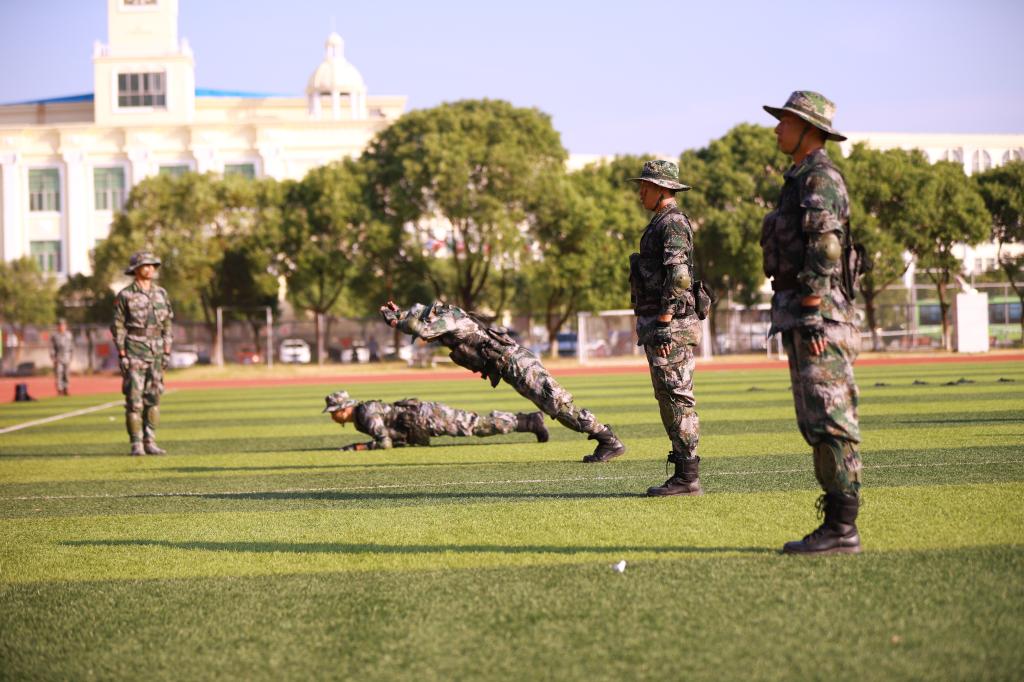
(109, 187)
(1013, 155)
(44, 189)
(954, 155)
(141, 90)
(246, 170)
(47, 255)
(175, 171)
(139, 3)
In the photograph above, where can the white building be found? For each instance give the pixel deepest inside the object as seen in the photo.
(977, 153)
(67, 164)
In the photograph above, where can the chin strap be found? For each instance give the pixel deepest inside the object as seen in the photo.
(799, 141)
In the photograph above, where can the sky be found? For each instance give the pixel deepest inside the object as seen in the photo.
(615, 77)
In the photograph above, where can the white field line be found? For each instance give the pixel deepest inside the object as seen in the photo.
(459, 484)
(66, 415)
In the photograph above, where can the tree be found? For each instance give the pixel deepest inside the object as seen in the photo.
(1002, 189)
(736, 180)
(86, 301)
(460, 175)
(191, 222)
(323, 224)
(26, 297)
(949, 211)
(883, 188)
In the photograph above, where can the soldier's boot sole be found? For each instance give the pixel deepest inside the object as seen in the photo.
(841, 549)
(831, 544)
(669, 491)
(601, 457)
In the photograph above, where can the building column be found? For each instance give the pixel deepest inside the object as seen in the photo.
(77, 210)
(13, 244)
(141, 166)
(336, 105)
(270, 161)
(206, 160)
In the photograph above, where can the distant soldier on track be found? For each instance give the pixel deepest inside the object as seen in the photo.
(805, 242)
(666, 299)
(62, 344)
(142, 334)
(413, 422)
(493, 353)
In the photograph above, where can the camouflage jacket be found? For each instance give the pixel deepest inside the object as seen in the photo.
(61, 346)
(813, 203)
(142, 321)
(660, 275)
(391, 424)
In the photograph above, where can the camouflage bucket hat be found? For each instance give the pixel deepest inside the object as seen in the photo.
(662, 173)
(812, 107)
(141, 258)
(338, 400)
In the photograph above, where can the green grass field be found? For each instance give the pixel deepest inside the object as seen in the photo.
(255, 550)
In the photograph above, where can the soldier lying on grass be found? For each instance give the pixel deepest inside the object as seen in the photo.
(413, 422)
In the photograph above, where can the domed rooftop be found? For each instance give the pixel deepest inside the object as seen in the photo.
(335, 73)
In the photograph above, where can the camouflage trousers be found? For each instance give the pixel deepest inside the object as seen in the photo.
(60, 373)
(438, 419)
(672, 378)
(522, 370)
(825, 395)
(142, 386)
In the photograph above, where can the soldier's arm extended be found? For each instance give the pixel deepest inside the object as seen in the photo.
(678, 245)
(824, 204)
(431, 322)
(167, 327)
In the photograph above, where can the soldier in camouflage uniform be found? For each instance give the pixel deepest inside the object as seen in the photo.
(62, 344)
(661, 288)
(413, 422)
(803, 241)
(142, 334)
(493, 353)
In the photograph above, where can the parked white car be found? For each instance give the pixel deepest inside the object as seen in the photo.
(295, 350)
(183, 356)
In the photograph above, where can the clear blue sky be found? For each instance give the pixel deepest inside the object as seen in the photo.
(616, 77)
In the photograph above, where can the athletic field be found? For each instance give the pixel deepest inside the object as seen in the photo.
(256, 550)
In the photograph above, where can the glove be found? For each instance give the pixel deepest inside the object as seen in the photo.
(126, 365)
(813, 325)
(661, 335)
(390, 314)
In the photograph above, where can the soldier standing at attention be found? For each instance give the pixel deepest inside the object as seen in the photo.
(61, 346)
(667, 326)
(803, 247)
(142, 334)
(413, 422)
(493, 353)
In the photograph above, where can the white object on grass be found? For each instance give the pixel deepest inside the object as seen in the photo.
(619, 567)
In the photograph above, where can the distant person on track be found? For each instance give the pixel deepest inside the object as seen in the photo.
(413, 422)
(62, 345)
(493, 353)
(142, 334)
(669, 305)
(806, 242)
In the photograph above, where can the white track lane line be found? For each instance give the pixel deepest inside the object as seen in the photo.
(459, 484)
(66, 415)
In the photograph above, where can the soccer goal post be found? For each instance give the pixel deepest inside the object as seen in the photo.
(612, 334)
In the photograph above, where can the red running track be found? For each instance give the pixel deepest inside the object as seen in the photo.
(43, 386)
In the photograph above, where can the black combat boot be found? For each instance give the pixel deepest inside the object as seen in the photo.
(608, 446)
(838, 534)
(685, 480)
(137, 449)
(532, 422)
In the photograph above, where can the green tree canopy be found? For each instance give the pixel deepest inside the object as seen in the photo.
(27, 296)
(462, 174)
(1002, 189)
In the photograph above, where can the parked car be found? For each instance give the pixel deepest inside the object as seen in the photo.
(247, 355)
(295, 350)
(183, 356)
(567, 342)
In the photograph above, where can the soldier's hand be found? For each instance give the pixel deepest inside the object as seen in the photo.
(660, 338)
(358, 447)
(389, 311)
(813, 327)
(126, 364)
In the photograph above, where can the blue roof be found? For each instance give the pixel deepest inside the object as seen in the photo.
(200, 92)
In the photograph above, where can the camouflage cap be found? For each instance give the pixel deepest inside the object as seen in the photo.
(662, 173)
(338, 400)
(812, 107)
(140, 258)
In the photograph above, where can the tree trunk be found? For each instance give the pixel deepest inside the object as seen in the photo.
(318, 317)
(870, 313)
(90, 346)
(947, 336)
